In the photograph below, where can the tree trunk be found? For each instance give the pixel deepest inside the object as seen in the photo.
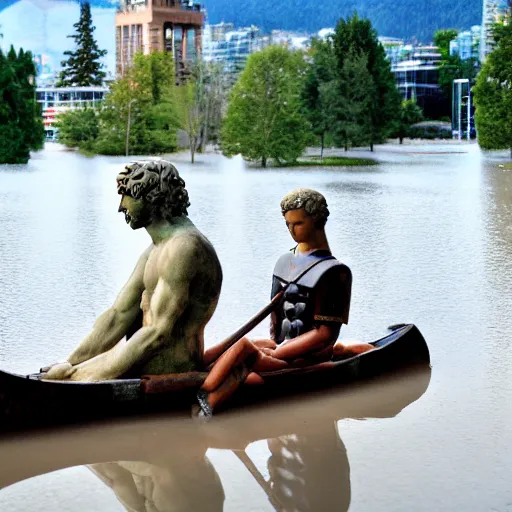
(264, 161)
(192, 148)
(371, 147)
(204, 138)
(322, 146)
(401, 140)
(127, 143)
(510, 151)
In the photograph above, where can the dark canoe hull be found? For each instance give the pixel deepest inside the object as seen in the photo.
(27, 402)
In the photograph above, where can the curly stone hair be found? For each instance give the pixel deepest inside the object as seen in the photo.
(313, 203)
(157, 182)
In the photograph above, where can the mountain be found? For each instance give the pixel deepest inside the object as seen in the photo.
(94, 3)
(406, 19)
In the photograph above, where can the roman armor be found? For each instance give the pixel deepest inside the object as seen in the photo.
(317, 289)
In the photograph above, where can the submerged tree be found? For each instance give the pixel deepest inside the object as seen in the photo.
(138, 115)
(318, 96)
(265, 117)
(410, 113)
(356, 36)
(83, 68)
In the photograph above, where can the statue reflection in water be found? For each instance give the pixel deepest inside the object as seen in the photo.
(308, 466)
(185, 483)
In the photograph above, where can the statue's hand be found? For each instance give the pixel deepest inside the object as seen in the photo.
(59, 371)
(47, 368)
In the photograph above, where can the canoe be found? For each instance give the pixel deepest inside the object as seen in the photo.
(27, 402)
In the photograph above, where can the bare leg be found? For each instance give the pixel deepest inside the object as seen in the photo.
(231, 370)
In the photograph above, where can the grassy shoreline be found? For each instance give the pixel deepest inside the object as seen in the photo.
(331, 161)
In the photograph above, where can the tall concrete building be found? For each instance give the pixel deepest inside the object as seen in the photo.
(493, 12)
(162, 25)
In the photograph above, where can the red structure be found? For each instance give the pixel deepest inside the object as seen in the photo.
(158, 25)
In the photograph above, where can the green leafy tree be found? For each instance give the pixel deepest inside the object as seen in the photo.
(21, 124)
(493, 93)
(265, 116)
(189, 114)
(410, 113)
(356, 36)
(138, 115)
(78, 128)
(443, 38)
(83, 68)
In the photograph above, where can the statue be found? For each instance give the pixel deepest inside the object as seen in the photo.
(156, 325)
(306, 323)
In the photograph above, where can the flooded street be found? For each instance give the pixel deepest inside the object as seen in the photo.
(428, 236)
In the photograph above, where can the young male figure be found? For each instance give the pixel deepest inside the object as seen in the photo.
(174, 288)
(307, 322)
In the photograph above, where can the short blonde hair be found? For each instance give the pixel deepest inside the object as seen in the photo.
(311, 201)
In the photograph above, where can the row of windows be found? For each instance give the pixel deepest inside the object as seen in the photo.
(44, 96)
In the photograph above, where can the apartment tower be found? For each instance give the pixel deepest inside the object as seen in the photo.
(493, 12)
(158, 25)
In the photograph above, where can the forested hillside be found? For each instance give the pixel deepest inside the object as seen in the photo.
(398, 18)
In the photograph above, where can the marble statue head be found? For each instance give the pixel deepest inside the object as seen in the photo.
(152, 190)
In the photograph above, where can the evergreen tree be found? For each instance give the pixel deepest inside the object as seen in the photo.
(317, 91)
(356, 36)
(82, 68)
(355, 101)
(21, 124)
(264, 118)
(493, 93)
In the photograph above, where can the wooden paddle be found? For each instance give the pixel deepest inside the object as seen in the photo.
(174, 382)
(213, 353)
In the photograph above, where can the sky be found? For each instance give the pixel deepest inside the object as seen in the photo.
(42, 26)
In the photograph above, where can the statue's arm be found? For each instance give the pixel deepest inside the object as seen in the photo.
(176, 269)
(113, 324)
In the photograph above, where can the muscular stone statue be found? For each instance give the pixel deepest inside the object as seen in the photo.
(157, 322)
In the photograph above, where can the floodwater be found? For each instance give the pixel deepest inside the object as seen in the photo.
(428, 236)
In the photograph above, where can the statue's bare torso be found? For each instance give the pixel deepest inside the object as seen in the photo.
(183, 349)
(175, 285)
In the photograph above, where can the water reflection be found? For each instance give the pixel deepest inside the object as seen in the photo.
(187, 484)
(163, 464)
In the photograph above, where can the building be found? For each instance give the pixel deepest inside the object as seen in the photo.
(417, 78)
(162, 25)
(292, 40)
(231, 47)
(467, 44)
(55, 100)
(493, 12)
(395, 48)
